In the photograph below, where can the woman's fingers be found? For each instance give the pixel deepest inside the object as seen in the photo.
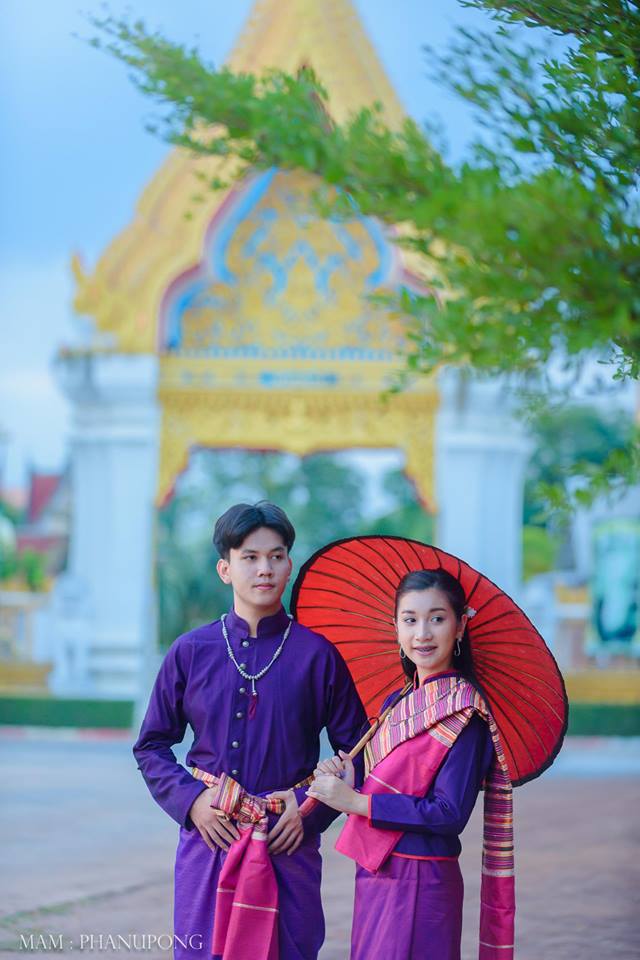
(332, 766)
(318, 789)
(349, 771)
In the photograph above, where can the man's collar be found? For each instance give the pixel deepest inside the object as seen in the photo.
(267, 627)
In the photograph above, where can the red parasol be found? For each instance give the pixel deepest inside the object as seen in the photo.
(346, 591)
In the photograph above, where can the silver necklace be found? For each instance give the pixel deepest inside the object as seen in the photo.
(254, 676)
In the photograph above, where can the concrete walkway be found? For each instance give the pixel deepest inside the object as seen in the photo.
(90, 854)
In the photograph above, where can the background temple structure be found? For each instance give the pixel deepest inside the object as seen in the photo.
(239, 318)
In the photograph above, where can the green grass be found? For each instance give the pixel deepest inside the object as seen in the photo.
(604, 720)
(65, 712)
(585, 719)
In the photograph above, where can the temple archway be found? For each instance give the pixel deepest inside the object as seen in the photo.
(244, 320)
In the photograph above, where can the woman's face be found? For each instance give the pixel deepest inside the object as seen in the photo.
(427, 630)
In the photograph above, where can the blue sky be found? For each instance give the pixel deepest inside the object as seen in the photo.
(75, 157)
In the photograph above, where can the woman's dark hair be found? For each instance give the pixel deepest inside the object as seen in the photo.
(453, 591)
(234, 526)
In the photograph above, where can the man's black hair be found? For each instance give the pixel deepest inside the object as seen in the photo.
(235, 525)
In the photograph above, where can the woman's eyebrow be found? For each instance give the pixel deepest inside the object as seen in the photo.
(432, 610)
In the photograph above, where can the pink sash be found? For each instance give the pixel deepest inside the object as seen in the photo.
(246, 908)
(404, 756)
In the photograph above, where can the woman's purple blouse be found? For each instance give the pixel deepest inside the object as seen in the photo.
(432, 824)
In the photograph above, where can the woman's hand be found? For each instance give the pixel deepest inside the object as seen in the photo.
(340, 766)
(337, 794)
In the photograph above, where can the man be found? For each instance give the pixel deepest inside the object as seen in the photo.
(257, 688)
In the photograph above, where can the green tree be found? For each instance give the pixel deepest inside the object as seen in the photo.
(569, 436)
(323, 494)
(534, 239)
(406, 517)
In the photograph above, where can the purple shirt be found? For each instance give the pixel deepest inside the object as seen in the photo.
(432, 823)
(308, 688)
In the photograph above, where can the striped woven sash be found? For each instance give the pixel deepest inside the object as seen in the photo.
(439, 710)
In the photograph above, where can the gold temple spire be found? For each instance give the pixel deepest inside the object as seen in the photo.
(124, 293)
(326, 35)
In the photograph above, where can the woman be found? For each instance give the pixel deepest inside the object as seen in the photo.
(427, 762)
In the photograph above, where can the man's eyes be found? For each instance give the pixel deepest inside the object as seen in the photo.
(274, 556)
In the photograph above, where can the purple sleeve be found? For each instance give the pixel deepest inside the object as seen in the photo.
(452, 796)
(345, 722)
(164, 725)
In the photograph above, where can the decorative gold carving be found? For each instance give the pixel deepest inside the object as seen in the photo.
(296, 280)
(300, 422)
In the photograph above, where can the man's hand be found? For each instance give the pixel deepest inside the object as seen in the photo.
(287, 834)
(215, 828)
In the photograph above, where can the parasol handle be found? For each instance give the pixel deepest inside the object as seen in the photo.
(310, 803)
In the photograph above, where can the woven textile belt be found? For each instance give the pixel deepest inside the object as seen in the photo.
(246, 903)
(229, 798)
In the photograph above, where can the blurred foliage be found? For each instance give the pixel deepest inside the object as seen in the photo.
(539, 551)
(324, 495)
(534, 238)
(14, 514)
(8, 565)
(570, 444)
(27, 567)
(32, 566)
(407, 518)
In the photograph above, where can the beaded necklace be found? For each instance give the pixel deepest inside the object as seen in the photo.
(254, 676)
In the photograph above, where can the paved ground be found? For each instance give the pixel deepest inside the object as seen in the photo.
(89, 854)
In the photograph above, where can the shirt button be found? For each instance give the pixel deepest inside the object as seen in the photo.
(235, 772)
(235, 744)
(239, 714)
(243, 666)
(245, 643)
(242, 690)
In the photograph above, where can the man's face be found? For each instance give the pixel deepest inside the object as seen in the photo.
(258, 571)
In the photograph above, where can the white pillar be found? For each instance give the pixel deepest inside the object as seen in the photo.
(481, 457)
(104, 602)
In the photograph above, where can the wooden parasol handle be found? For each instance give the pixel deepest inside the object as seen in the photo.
(310, 803)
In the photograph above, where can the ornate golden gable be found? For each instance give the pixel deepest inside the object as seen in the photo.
(258, 308)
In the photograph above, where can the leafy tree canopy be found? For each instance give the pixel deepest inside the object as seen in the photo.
(533, 240)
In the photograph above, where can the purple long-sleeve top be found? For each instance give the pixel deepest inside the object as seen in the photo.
(308, 688)
(432, 824)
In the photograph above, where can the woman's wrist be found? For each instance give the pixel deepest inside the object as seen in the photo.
(359, 804)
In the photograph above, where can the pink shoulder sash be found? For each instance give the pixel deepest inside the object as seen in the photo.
(404, 756)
